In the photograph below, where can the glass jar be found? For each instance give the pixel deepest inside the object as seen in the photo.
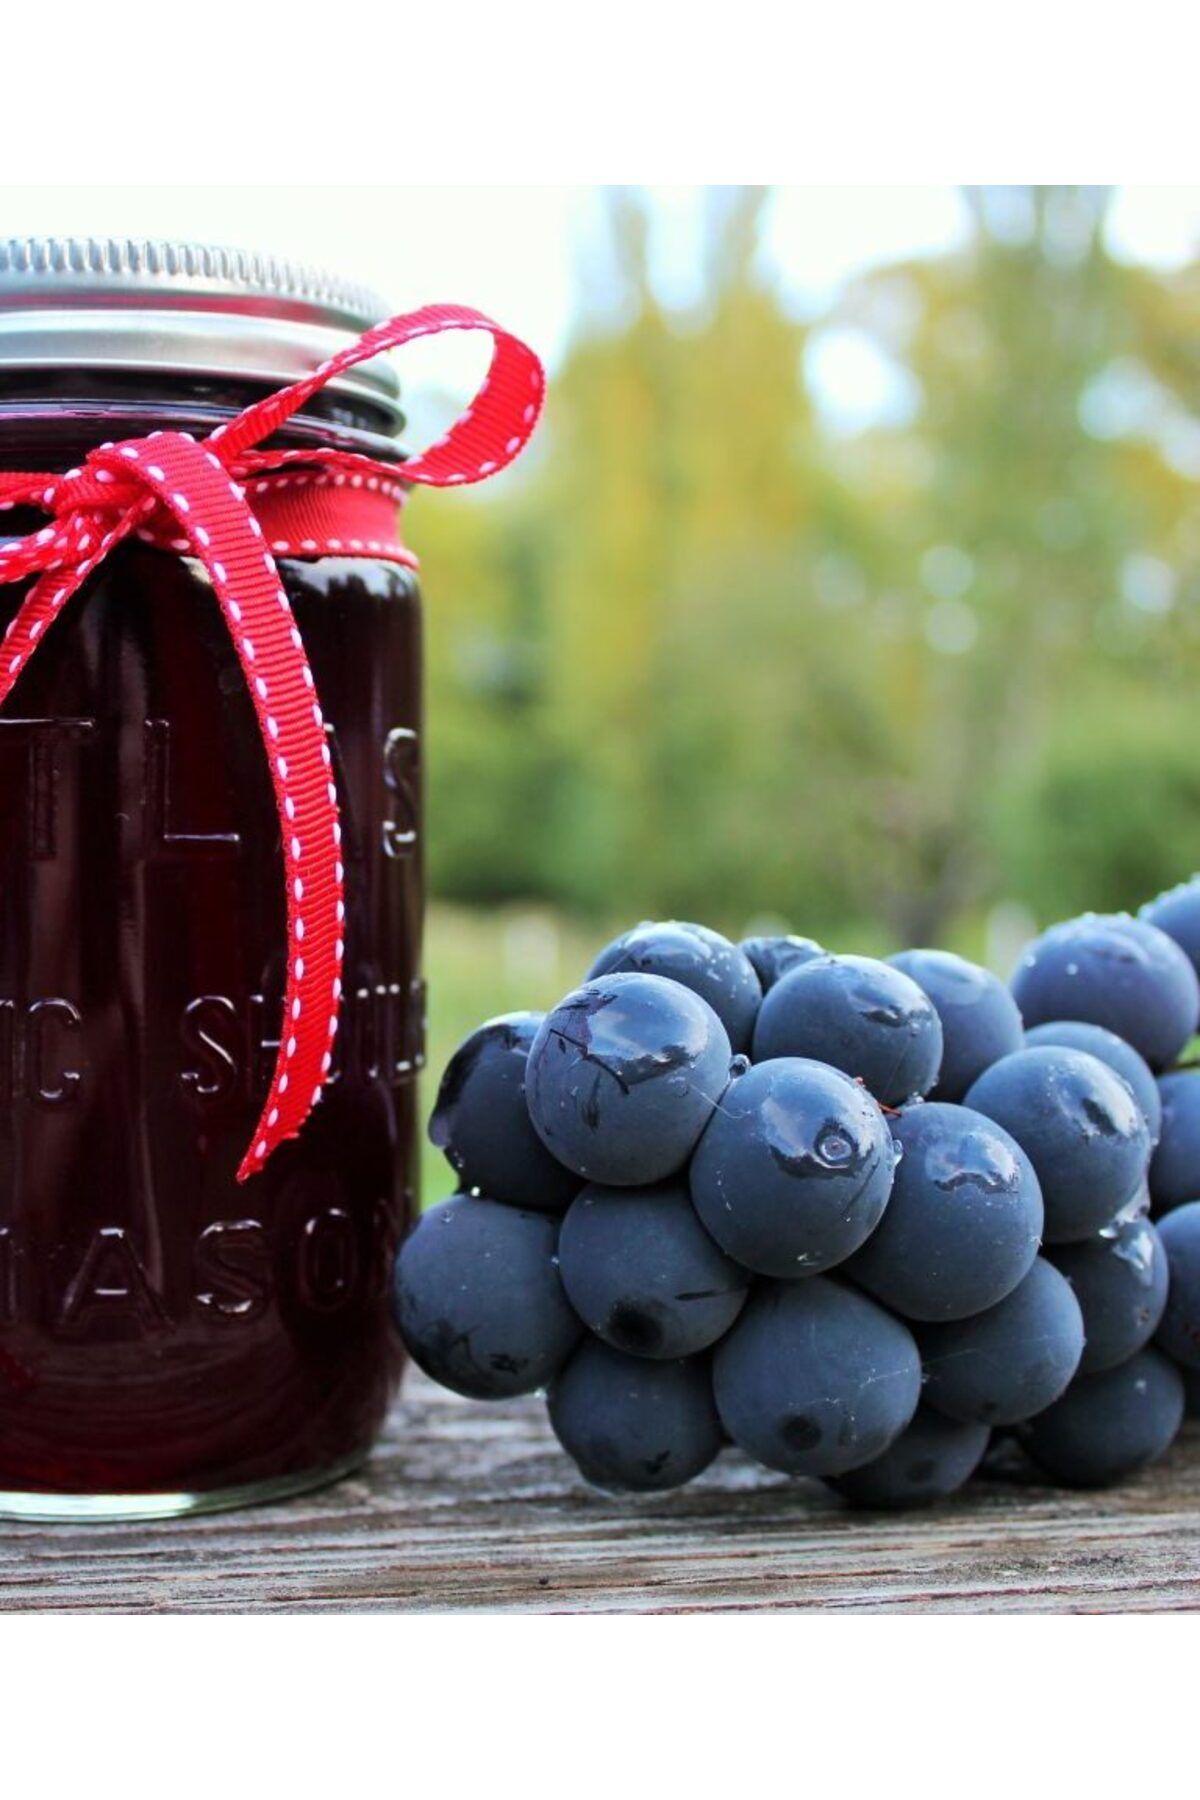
(171, 1341)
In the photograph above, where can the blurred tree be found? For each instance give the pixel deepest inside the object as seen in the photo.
(679, 450)
(1008, 540)
(708, 658)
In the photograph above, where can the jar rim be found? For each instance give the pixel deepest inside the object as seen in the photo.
(189, 308)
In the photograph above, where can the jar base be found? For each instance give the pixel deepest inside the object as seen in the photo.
(31, 1508)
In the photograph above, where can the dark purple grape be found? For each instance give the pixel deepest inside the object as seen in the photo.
(482, 1124)
(477, 1299)
(1175, 1165)
(699, 959)
(1080, 1127)
(980, 1021)
(1108, 1426)
(860, 1016)
(794, 1169)
(1177, 912)
(644, 1275)
(634, 1425)
(930, 1460)
(1179, 1331)
(772, 957)
(814, 1378)
(1120, 1281)
(623, 1077)
(1122, 1058)
(1114, 971)
(964, 1220)
(1010, 1362)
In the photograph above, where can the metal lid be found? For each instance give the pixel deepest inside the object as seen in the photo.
(189, 308)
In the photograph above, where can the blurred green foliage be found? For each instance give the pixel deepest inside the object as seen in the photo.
(707, 657)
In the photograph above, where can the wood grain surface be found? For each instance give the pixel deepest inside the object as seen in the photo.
(473, 1508)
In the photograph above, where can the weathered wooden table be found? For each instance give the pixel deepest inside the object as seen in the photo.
(473, 1508)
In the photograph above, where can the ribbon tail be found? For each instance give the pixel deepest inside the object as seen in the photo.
(191, 482)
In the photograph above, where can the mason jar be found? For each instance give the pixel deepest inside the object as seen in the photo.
(170, 1340)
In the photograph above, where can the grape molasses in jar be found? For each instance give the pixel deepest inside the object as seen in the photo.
(173, 1337)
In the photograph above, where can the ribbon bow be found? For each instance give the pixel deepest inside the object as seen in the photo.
(191, 495)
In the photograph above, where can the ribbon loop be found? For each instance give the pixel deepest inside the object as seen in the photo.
(202, 499)
(494, 429)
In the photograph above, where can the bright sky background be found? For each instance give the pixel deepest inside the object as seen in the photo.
(520, 253)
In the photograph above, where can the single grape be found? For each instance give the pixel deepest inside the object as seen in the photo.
(477, 1299)
(1179, 1332)
(964, 1220)
(861, 1016)
(482, 1124)
(814, 1378)
(1010, 1362)
(1122, 1058)
(794, 1169)
(699, 959)
(1191, 1392)
(772, 957)
(623, 1076)
(1175, 1165)
(1110, 1425)
(1177, 912)
(980, 1021)
(631, 1424)
(931, 1459)
(644, 1275)
(1120, 1281)
(1080, 1127)
(1113, 971)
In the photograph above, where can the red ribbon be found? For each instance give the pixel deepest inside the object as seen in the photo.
(236, 508)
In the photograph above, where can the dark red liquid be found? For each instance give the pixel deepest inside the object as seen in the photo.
(163, 1329)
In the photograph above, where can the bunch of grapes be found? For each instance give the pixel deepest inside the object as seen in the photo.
(854, 1217)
